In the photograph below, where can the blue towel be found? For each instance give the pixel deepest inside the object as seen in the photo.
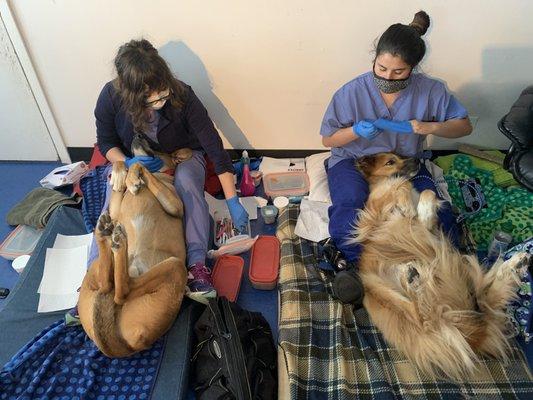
(61, 362)
(93, 186)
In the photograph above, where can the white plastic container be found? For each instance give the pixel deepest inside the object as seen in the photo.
(20, 242)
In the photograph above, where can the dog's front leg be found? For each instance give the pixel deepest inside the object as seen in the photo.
(166, 196)
(427, 207)
(119, 247)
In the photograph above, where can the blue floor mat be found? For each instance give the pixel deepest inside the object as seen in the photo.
(16, 180)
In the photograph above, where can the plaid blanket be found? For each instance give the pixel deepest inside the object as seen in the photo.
(328, 351)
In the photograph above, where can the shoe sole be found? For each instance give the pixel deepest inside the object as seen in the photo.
(202, 297)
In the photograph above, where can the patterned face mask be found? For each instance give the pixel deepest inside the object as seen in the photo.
(390, 85)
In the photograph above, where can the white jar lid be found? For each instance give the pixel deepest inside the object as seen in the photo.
(20, 262)
(281, 201)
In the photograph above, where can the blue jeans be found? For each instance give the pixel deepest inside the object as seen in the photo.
(349, 192)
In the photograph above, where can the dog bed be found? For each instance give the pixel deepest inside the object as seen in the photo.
(20, 322)
(326, 350)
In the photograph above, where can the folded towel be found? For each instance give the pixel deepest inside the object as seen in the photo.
(37, 206)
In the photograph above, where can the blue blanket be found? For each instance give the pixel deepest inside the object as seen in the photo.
(62, 362)
(94, 186)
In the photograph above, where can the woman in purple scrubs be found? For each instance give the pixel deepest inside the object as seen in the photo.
(389, 109)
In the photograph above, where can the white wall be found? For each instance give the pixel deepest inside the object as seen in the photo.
(266, 70)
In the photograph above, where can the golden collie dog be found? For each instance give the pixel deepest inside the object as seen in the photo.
(441, 308)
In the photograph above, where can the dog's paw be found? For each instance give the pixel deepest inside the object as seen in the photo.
(118, 176)
(118, 238)
(105, 225)
(134, 180)
(519, 261)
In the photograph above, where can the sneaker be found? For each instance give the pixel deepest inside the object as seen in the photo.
(200, 284)
(348, 288)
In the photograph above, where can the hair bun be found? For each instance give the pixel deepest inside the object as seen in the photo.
(420, 22)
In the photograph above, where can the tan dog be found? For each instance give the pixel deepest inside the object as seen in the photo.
(132, 293)
(439, 307)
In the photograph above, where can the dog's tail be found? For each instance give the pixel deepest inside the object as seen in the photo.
(108, 336)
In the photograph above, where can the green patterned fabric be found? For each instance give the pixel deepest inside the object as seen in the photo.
(502, 177)
(509, 209)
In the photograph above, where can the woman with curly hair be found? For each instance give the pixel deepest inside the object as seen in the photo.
(145, 97)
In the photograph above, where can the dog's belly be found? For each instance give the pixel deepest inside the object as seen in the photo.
(152, 234)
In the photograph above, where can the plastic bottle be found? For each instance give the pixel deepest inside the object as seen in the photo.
(247, 183)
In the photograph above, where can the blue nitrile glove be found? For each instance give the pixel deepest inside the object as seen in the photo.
(402, 127)
(239, 216)
(152, 164)
(366, 128)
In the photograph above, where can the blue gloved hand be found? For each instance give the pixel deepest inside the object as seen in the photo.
(152, 164)
(366, 128)
(239, 216)
(401, 127)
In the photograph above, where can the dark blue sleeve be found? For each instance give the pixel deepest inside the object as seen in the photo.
(201, 125)
(106, 132)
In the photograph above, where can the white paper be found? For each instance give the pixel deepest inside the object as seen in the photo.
(271, 165)
(50, 302)
(250, 204)
(313, 220)
(64, 270)
(71, 241)
(261, 202)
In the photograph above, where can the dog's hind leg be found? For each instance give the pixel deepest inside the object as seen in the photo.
(119, 247)
(166, 196)
(104, 263)
(500, 283)
(157, 275)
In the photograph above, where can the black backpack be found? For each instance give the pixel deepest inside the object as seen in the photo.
(235, 357)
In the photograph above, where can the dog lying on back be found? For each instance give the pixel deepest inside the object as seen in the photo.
(133, 291)
(439, 307)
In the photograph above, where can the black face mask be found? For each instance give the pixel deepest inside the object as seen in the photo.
(390, 85)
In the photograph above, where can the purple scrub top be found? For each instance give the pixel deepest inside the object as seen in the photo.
(424, 99)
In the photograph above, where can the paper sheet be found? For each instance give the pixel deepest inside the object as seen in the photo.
(64, 270)
(271, 165)
(69, 242)
(51, 302)
(313, 220)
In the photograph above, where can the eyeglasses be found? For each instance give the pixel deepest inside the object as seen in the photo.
(162, 98)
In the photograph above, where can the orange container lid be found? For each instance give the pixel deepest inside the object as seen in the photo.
(227, 275)
(264, 261)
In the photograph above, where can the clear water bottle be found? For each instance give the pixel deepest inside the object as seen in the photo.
(498, 246)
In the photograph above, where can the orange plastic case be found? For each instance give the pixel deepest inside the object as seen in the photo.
(227, 275)
(264, 263)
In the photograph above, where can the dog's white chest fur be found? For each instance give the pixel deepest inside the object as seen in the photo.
(138, 265)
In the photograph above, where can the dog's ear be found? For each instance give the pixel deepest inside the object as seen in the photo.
(365, 163)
